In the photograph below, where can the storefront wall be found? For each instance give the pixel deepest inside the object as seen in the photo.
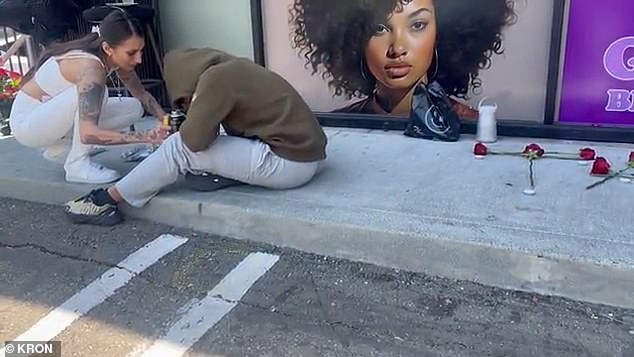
(208, 23)
(597, 83)
(529, 81)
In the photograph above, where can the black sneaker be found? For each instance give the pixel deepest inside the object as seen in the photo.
(207, 182)
(84, 210)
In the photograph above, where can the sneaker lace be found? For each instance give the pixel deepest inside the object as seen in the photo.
(86, 206)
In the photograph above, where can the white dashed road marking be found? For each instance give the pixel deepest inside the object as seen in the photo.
(202, 315)
(99, 290)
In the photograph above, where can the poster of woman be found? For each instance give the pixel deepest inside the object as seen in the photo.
(387, 47)
(367, 56)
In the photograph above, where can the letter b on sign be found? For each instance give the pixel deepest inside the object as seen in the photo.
(620, 100)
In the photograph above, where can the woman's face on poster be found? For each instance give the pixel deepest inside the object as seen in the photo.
(401, 51)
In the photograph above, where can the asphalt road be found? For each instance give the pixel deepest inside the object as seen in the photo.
(143, 287)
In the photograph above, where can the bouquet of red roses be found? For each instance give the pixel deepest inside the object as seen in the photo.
(9, 84)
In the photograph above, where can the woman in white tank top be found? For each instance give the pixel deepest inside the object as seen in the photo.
(63, 107)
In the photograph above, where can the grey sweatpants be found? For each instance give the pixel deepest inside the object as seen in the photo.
(245, 160)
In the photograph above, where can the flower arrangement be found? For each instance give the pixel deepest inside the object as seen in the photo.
(9, 85)
(601, 167)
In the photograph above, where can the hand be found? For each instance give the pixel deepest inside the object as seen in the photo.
(157, 135)
(2, 60)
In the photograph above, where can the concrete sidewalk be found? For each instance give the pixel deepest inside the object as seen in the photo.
(413, 205)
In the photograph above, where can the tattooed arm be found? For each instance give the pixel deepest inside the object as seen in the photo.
(134, 85)
(91, 90)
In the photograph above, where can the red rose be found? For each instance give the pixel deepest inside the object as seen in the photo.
(587, 154)
(601, 167)
(535, 149)
(480, 149)
(631, 160)
(9, 74)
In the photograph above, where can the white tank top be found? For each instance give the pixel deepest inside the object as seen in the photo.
(49, 76)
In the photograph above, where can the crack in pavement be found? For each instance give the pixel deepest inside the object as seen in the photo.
(78, 258)
(297, 317)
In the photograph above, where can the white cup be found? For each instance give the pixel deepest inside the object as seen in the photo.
(487, 123)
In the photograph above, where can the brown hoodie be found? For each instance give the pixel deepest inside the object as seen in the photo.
(249, 100)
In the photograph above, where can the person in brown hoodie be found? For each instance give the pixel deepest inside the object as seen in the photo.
(243, 123)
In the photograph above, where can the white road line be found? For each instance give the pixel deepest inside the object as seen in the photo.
(99, 290)
(204, 314)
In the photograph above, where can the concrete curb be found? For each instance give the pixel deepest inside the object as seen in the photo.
(232, 213)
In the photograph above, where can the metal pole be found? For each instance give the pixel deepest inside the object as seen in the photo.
(22, 71)
(29, 51)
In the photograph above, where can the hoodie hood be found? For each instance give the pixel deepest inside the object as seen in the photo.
(183, 68)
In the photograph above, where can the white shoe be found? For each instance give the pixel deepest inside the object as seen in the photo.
(87, 171)
(58, 153)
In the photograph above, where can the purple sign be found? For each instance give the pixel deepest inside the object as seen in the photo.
(598, 77)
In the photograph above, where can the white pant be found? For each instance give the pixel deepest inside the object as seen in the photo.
(56, 121)
(245, 160)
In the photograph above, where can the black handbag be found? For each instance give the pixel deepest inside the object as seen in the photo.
(432, 116)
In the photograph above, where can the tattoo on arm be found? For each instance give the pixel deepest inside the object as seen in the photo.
(133, 83)
(90, 94)
(93, 139)
(135, 137)
(150, 136)
(91, 88)
(113, 138)
(152, 105)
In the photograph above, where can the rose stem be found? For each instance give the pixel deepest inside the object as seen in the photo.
(531, 172)
(616, 174)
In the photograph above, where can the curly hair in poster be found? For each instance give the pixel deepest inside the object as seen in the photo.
(357, 46)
